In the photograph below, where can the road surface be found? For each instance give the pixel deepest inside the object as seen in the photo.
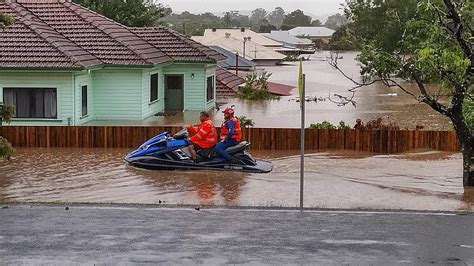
(135, 235)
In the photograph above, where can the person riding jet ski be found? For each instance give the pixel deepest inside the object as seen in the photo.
(231, 134)
(204, 136)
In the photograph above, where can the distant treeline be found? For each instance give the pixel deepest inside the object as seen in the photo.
(260, 20)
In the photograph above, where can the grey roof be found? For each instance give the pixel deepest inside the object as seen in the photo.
(231, 60)
(285, 37)
(311, 31)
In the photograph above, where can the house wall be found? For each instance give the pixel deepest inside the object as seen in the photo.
(79, 81)
(62, 81)
(151, 108)
(113, 94)
(194, 88)
(210, 71)
(117, 94)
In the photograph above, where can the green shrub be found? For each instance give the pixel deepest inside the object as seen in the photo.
(256, 87)
(6, 149)
(7, 113)
(246, 122)
(328, 125)
(323, 125)
(469, 110)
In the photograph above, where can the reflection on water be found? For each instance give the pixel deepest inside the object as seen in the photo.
(421, 180)
(373, 101)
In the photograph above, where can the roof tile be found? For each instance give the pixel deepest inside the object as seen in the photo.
(58, 33)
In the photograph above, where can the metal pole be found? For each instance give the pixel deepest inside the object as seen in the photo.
(303, 103)
(237, 63)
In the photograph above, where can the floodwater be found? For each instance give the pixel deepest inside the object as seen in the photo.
(372, 102)
(422, 180)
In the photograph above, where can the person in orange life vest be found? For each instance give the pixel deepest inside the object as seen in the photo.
(204, 136)
(231, 133)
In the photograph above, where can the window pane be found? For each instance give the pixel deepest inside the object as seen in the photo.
(9, 98)
(153, 87)
(84, 100)
(32, 102)
(210, 88)
(23, 102)
(37, 103)
(50, 103)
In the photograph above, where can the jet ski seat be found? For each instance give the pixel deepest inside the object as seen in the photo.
(238, 148)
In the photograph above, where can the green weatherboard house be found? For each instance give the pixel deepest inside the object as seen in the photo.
(61, 64)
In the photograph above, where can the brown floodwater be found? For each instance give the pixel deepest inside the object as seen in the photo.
(372, 102)
(420, 180)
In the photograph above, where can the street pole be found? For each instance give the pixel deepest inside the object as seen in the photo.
(303, 103)
(237, 64)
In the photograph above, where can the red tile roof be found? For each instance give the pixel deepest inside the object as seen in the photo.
(227, 82)
(61, 34)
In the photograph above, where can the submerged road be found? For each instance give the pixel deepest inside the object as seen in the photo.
(123, 235)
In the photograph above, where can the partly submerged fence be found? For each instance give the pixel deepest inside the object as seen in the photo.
(377, 141)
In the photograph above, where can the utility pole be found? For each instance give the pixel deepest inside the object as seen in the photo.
(246, 39)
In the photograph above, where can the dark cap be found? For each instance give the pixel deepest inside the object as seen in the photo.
(204, 113)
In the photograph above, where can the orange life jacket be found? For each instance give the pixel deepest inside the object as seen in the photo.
(204, 135)
(237, 130)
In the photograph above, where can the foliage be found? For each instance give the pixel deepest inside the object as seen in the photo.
(132, 13)
(191, 24)
(341, 40)
(266, 27)
(7, 113)
(328, 125)
(336, 21)
(316, 23)
(256, 87)
(426, 42)
(5, 20)
(258, 18)
(381, 123)
(295, 19)
(6, 149)
(469, 111)
(246, 122)
(276, 17)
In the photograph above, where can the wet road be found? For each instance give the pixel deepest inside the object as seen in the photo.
(88, 235)
(421, 180)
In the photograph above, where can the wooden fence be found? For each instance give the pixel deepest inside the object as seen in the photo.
(377, 141)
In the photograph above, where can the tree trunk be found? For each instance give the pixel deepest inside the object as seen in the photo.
(468, 164)
(466, 139)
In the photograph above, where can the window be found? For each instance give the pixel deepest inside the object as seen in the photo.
(210, 88)
(32, 102)
(154, 87)
(84, 100)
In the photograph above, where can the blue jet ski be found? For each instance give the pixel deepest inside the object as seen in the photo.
(170, 152)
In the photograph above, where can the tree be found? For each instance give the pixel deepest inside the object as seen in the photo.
(316, 23)
(132, 13)
(425, 42)
(336, 21)
(276, 17)
(258, 16)
(295, 19)
(6, 112)
(266, 27)
(191, 24)
(341, 40)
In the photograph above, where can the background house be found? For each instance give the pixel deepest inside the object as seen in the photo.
(315, 34)
(61, 63)
(306, 46)
(249, 44)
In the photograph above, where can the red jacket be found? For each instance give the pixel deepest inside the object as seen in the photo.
(237, 129)
(204, 135)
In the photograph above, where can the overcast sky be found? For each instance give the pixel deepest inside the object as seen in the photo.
(318, 8)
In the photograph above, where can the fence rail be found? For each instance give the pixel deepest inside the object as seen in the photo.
(377, 141)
